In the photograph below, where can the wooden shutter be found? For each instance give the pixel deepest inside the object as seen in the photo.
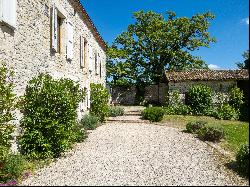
(8, 13)
(70, 42)
(100, 67)
(82, 51)
(88, 101)
(90, 51)
(54, 29)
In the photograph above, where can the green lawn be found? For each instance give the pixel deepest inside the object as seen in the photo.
(236, 132)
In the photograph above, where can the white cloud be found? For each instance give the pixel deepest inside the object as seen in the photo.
(213, 67)
(245, 20)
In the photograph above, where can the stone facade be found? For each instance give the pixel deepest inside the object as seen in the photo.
(27, 48)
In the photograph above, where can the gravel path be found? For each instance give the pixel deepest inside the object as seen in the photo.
(135, 154)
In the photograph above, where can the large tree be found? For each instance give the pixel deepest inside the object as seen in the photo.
(155, 43)
(245, 64)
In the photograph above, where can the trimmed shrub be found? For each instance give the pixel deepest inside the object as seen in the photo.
(89, 122)
(211, 133)
(236, 98)
(242, 160)
(13, 167)
(7, 106)
(99, 101)
(195, 126)
(153, 114)
(50, 116)
(199, 99)
(116, 111)
(226, 112)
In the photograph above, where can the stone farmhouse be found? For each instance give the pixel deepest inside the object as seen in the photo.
(219, 80)
(51, 36)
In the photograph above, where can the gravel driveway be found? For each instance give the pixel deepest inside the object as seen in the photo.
(135, 154)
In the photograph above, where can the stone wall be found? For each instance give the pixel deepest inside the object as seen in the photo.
(27, 48)
(155, 94)
(127, 96)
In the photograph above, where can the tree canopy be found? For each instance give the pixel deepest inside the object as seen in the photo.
(245, 64)
(154, 44)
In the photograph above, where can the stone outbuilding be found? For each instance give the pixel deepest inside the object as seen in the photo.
(219, 80)
(51, 36)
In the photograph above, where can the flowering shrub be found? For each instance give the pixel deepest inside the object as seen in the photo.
(50, 116)
(99, 99)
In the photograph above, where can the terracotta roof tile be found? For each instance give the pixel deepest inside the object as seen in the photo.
(205, 75)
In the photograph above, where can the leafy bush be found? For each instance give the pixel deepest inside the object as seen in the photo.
(242, 160)
(236, 98)
(12, 167)
(195, 126)
(99, 101)
(199, 99)
(211, 132)
(7, 106)
(116, 111)
(226, 112)
(153, 114)
(175, 105)
(50, 117)
(89, 122)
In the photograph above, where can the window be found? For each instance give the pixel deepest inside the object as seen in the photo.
(100, 68)
(8, 12)
(57, 29)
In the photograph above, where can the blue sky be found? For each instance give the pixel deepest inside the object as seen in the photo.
(230, 27)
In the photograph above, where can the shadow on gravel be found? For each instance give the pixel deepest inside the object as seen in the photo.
(232, 165)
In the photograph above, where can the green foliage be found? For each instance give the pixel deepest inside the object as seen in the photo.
(176, 106)
(99, 101)
(7, 106)
(226, 112)
(50, 117)
(199, 99)
(195, 126)
(211, 132)
(12, 167)
(89, 122)
(242, 160)
(153, 114)
(116, 111)
(236, 97)
(154, 43)
(245, 64)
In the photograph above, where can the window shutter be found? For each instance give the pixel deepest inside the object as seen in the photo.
(82, 51)
(90, 58)
(88, 101)
(9, 12)
(54, 29)
(70, 47)
(100, 68)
